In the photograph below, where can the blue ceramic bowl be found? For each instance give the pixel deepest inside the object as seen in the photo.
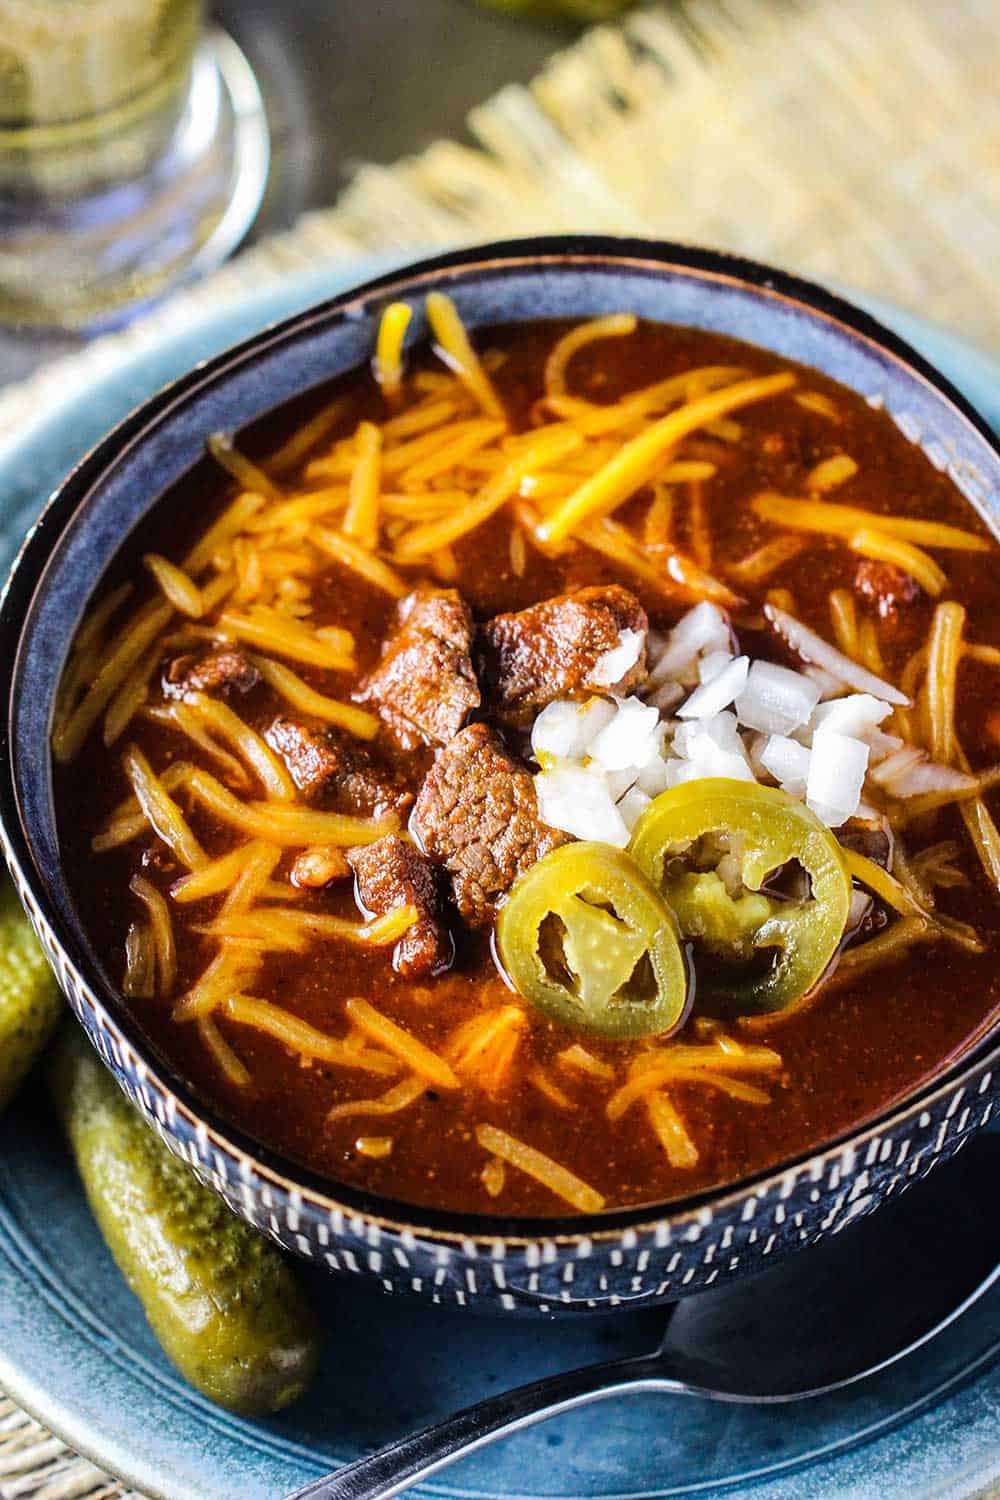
(634, 1256)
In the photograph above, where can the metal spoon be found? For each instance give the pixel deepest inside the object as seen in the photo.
(850, 1308)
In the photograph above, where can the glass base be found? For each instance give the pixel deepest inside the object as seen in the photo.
(95, 260)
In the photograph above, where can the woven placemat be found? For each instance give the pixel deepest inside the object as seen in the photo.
(852, 140)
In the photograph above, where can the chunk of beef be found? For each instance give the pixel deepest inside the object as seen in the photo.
(314, 758)
(425, 686)
(477, 814)
(885, 586)
(336, 770)
(393, 873)
(564, 647)
(221, 671)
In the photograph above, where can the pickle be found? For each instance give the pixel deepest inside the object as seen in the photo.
(30, 1001)
(224, 1305)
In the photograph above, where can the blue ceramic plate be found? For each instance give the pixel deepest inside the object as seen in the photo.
(76, 1351)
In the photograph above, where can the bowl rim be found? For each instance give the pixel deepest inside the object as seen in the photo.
(27, 577)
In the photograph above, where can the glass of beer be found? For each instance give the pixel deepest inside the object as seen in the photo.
(127, 135)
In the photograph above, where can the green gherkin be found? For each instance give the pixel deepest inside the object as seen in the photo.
(30, 1002)
(223, 1303)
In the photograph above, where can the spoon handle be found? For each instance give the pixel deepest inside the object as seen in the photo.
(411, 1459)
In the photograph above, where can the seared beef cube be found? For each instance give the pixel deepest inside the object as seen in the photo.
(477, 814)
(215, 672)
(563, 648)
(392, 873)
(425, 686)
(885, 586)
(314, 758)
(332, 768)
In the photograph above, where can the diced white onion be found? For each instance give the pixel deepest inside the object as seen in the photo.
(704, 755)
(837, 767)
(882, 744)
(614, 665)
(711, 665)
(654, 777)
(857, 715)
(922, 776)
(775, 699)
(718, 692)
(579, 803)
(812, 648)
(721, 727)
(703, 629)
(618, 782)
(567, 729)
(829, 686)
(625, 739)
(633, 805)
(711, 762)
(898, 764)
(787, 761)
